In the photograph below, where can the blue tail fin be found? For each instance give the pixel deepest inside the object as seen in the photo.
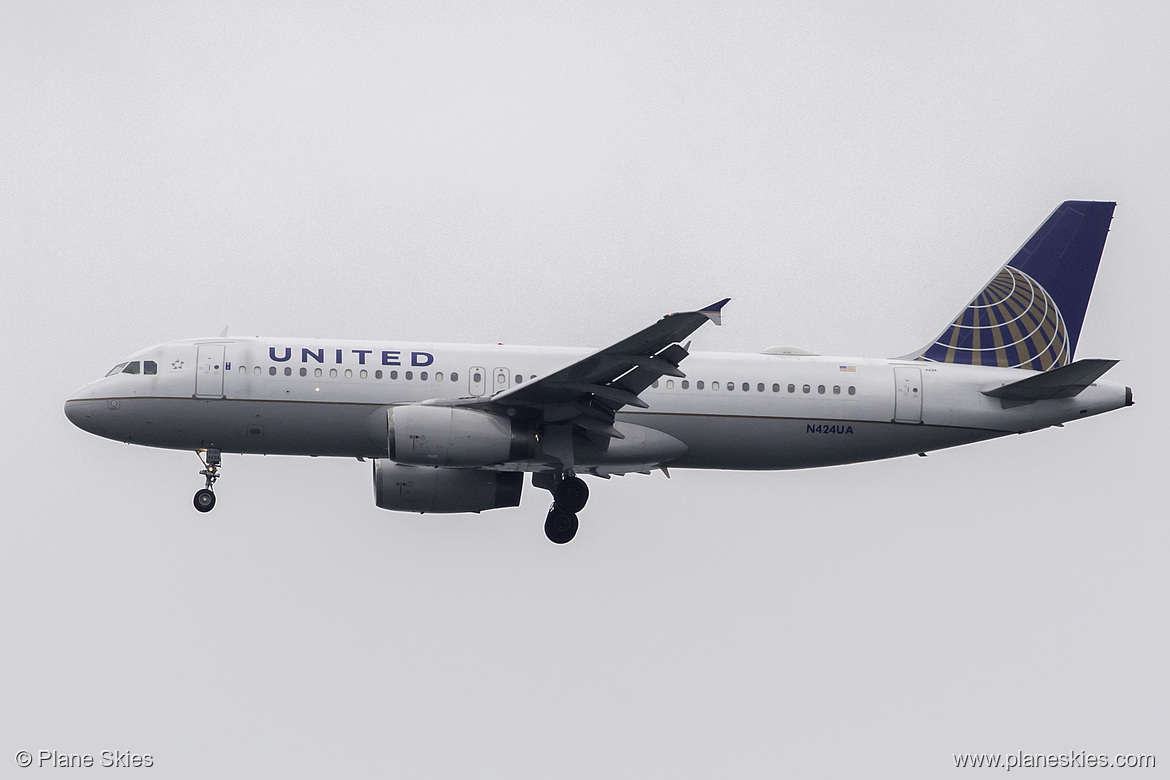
(1030, 314)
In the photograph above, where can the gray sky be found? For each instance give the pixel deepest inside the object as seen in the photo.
(849, 174)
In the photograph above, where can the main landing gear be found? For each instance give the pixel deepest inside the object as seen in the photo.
(570, 493)
(205, 498)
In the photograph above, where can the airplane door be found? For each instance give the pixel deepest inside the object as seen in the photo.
(477, 380)
(209, 370)
(501, 380)
(908, 395)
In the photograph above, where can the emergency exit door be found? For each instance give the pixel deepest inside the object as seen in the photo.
(477, 381)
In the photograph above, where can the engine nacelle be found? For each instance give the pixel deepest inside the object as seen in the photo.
(429, 489)
(446, 436)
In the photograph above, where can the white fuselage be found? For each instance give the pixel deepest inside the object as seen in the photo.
(733, 411)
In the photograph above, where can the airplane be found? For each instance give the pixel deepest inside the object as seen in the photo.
(454, 427)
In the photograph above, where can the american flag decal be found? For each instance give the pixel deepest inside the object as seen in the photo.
(850, 369)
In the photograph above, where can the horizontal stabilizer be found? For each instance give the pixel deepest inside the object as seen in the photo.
(1064, 382)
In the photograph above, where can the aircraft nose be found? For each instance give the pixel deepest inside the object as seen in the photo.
(81, 409)
(79, 413)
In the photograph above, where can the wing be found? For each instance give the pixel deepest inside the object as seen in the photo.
(589, 393)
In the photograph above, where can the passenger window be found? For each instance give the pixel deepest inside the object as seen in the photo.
(116, 369)
(747, 386)
(363, 373)
(304, 372)
(287, 371)
(655, 385)
(519, 378)
(149, 367)
(333, 373)
(256, 370)
(272, 371)
(821, 389)
(731, 385)
(378, 374)
(422, 375)
(669, 384)
(133, 368)
(454, 376)
(439, 376)
(792, 388)
(393, 374)
(836, 389)
(349, 373)
(699, 385)
(686, 383)
(409, 375)
(316, 372)
(806, 389)
(852, 390)
(760, 387)
(775, 388)
(477, 377)
(243, 369)
(714, 385)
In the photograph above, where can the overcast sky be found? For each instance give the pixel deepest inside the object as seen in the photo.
(849, 174)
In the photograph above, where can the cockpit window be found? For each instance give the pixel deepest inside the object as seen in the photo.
(135, 367)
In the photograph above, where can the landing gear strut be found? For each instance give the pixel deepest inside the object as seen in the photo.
(205, 498)
(570, 493)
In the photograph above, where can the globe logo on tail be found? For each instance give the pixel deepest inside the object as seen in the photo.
(1013, 323)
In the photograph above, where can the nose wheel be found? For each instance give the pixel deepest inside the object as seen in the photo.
(205, 498)
(570, 494)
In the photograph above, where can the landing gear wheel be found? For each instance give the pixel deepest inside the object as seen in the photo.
(561, 526)
(204, 500)
(572, 494)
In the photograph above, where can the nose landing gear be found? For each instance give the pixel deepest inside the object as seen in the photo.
(205, 498)
(570, 494)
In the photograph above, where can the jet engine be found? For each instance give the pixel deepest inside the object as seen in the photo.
(462, 438)
(429, 489)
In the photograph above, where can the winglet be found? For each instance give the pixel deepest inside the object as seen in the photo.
(714, 311)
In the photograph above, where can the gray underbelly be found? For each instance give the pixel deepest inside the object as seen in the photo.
(268, 427)
(766, 443)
